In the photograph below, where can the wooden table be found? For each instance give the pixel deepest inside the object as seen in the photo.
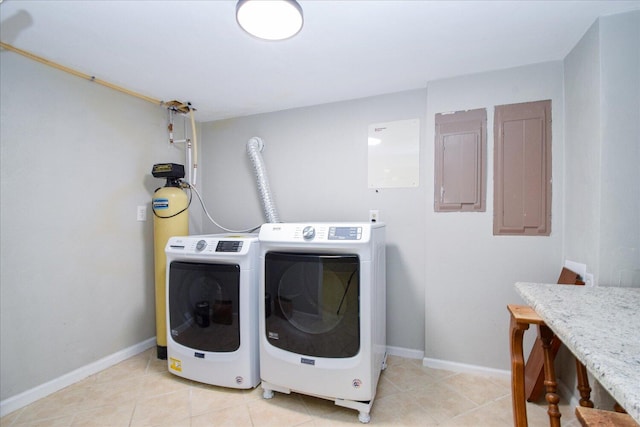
(601, 327)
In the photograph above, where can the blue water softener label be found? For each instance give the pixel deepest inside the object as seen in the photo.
(160, 204)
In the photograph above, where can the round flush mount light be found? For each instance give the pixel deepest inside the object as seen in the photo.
(270, 19)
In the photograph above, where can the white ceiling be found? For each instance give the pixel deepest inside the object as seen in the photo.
(194, 51)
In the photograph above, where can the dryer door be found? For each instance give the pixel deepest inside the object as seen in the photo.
(203, 303)
(312, 303)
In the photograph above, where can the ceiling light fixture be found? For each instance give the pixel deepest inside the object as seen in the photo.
(270, 19)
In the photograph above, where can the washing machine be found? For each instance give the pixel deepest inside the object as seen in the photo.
(323, 311)
(212, 306)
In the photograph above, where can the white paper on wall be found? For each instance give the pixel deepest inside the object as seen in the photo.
(393, 154)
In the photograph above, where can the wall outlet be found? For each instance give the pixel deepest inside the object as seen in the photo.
(142, 213)
(588, 279)
(374, 215)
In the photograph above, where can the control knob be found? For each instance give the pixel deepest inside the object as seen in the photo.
(308, 232)
(201, 245)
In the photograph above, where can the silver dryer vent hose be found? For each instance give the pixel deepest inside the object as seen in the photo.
(254, 147)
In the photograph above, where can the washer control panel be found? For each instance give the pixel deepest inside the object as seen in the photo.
(211, 244)
(220, 246)
(201, 245)
(229, 246)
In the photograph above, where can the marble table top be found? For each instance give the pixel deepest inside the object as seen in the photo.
(601, 327)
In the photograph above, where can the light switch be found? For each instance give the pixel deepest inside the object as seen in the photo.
(142, 213)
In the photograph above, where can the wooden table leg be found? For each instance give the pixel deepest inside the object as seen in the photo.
(617, 408)
(583, 385)
(550, 383)
(518, 399)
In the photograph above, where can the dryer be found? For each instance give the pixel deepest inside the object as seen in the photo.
(212, 305)
(323, 311)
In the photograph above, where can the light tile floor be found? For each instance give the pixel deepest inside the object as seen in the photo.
(141, 392)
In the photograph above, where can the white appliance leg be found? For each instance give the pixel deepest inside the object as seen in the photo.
(268, 389)
(363, 408)
(364, 417)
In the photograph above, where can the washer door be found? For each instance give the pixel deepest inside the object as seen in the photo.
(203, 305)
(312, 303)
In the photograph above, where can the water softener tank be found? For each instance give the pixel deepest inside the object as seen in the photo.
(170, 218)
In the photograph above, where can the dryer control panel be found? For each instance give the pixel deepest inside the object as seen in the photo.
(333, 233)
(325, 232)
(345, 233)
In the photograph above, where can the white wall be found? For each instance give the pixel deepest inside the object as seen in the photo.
(470, 273)
(316, 159)
(603, 150)
(602, 98)
(582, 169)
(76, 268)
(620, 147)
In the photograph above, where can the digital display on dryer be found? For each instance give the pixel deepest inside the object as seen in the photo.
(345, 233)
